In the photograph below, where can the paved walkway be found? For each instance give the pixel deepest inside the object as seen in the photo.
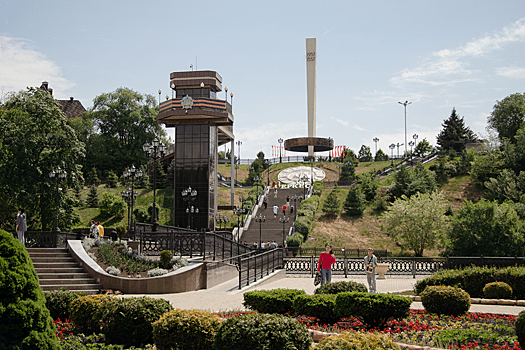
(227, 296)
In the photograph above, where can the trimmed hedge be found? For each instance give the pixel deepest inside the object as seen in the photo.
(320, 306)
(497, 290)
(357, 340)
(520, 329)
(262, 332)
(58, 302)
(473, 280)
(24, 318)
(185, 330)
(275, 301)
(86, 312)
(445, 300)
(373, 309)
(342, 286)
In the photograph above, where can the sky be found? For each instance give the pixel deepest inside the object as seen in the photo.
(438, 55)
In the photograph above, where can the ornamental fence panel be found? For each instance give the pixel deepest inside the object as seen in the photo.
(258, 264)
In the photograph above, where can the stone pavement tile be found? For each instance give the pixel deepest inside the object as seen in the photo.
(488, 309)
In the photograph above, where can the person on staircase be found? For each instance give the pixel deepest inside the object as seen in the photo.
(21, 224)
(326, 260)
(284, 209)
(275, 209)
(265, 202)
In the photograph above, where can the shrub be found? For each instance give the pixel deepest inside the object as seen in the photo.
(302, 226)
(121, 231)
(320, 306)
(86, 312)
(357, 340)
(343, 286)
(294, 240)
(373, 309)
(497, 290)
(185, 330)
(24, 318)
(58, 302)
(111, 205)
(445, 300)
(473, 279)
(157, 272)
(258, 332)
(129, 321)
(520, 328)
(165, 259)
(275, 301)
(112, 270)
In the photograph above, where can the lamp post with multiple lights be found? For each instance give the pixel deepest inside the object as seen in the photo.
(411, 143)
(392, 146)
(376, 140)
(155, 151)
(280, 150)
(222, 219)
(260, 219)
(405, 104)
(57, 176)
(239, 211)
(283, 219)
(189, 195)
(415, 136)
(130, 195)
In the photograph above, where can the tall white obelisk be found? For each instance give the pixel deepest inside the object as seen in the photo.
(311, 88)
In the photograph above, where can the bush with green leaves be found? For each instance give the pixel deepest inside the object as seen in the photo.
(275, 301)
(111, 205)
(302, 225)
(24, 319)
(262, 332)
(445, 300)
(320, 306)
(309, 206)
(92, 197)
(357, 340)
(520, 328)
(497, 290)
(342, 286)
(473, 279)
(294, 240)
(355, 203)
(112, 179)
(128, 321)
(58, 302)
(374, 309)
(121, 231)
(165, 259)
(185, 330)
(90, 342)
(86, 312)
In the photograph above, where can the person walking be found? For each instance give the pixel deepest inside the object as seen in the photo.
(100, 230)
(93, 230)
(284, 209)
(265, 202)
(21, 225)
(288, 201)
(370, 269)
(275, 209)
(326, 260)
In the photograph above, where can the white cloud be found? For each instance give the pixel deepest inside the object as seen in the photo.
(511, 72)
(22, 66)
(450, 66)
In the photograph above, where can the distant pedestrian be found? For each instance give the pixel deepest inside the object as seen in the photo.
(288, 201)
(275, 193)
(265, 202)
(284, 209)
(275, 209)
(326, 260)
(21, 225)
(291, 209)
(100, 230)
(263, 245)
(370, 269)
(93, 230)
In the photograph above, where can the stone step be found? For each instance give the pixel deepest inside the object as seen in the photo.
(52, 259)
(75, 269)
(49, 255)
(46, 250)
(73, 287)
(76, 281)
(60, 276)
(52, 265)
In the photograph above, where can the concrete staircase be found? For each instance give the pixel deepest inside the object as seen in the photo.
(56, 269)
(272, 229)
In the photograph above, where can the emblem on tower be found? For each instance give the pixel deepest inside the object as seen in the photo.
(186, 102)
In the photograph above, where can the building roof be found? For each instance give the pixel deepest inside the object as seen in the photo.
(72, 108)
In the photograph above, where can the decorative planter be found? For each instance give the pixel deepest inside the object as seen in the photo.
(381, 269)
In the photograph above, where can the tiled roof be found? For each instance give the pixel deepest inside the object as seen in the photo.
(72, 108)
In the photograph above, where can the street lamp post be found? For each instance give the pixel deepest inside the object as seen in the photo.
(399, 145)
(239, 143)
(257, 179)
(376, 140)
(303, 179)
(284, 220)
(155, 151)
(238, 211)
(129, 196)
(190, 211)
(222, 219)
(242, 199)
(411, 143)
(189, 195)
(57, 176)
(268, 164)
(260, 219)
(392, 146)
(280, 150)
(131, 175)
(415, 136)
(405, 104)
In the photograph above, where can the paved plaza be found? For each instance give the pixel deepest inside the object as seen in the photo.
(227, 296)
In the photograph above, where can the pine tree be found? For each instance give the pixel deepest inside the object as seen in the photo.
(365, 155)
(92, 198)
(331, 203)
(454, 133)
(112, 179)
(160, 176)
(77, 189)
(355, 202)
(380, 155)
(347, 172)
(93, 177)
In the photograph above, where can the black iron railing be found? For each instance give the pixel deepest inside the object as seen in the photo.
(49, 239)
(338, 252)
(256, 265)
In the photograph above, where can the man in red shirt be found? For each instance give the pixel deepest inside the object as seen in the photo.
(284, 209)
(326, 260)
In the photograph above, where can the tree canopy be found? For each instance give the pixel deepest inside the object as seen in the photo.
(36, 138)
(454, 133)
(365, 155)
(508, 115)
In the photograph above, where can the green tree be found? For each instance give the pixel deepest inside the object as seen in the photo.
(92, 177)
(507, 186)
(36, 138)
(418, 222)
(454, 133)
(349, 156)
(365, 155)
(125, 120)
(331, 203)
(486, 228)
(92, 197)
(486, 165)
(112, 179)
(111, 205)
(368, 185)
(347, 172)
(380, 156)
(25, 319)
(508, 115)
(355, 202)
(423, 148)
(160, 176)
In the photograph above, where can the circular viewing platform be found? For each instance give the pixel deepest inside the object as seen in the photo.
(300, 144)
